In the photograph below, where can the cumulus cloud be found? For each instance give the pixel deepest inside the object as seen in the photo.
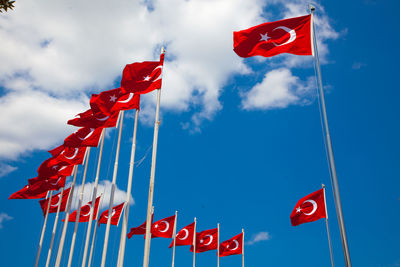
(3, 218)
(261, 236)
(279, 89)
(5, 169)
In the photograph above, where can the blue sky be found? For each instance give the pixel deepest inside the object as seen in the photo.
(222, 157)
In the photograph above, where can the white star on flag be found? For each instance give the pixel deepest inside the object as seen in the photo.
(298, 209)
(264, 37)
(147, 78)
(113, 98)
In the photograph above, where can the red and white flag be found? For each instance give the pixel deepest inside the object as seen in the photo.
(84, 137)
(185, 236)
(90, 119)
(50, 183)
(142, 77)
(140, 230)
(206, 240)
(115, 215)
(163, 228)
(70, 155)
(51, 168)
(56, 201)
(232, 246)
(85, 212)
(34, 191)
(126, 102)
(272, 38)
(310, 208)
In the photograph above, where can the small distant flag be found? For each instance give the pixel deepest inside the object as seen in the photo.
(310, 208)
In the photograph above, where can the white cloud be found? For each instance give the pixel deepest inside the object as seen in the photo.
(279, 89)
(3, 218)
(261, 236)
(5, 169)
(104, 187)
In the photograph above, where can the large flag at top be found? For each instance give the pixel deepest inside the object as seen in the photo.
(272, 38)
(310, 208)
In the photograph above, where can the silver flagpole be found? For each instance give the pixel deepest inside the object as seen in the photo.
(194, 242)
(218, 244)
(43, 229)
(94, 233)
(327, 230)
(67, 212)
(53, 235)
(94, 194)
(152, 175)
(124, 229)
(335, 185)
(174, 235)
(243, 248)
(78, 212)
(103, 259)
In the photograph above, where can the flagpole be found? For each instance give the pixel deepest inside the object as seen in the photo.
(194, 242)
(335, 185)
(78, 212)
(67, 212)
(94, 194)
(243, 248)
(327, 229)
(43, 229)
(53, 235)
(94, 233)
(152, 175)
(218, 244)
(104, 256)
(124, 229)
(174, 235)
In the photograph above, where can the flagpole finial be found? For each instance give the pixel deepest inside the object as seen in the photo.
(162, 50)
(323, 186)
(311, 7)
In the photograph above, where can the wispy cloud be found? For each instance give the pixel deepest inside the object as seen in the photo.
(5, 169)
(4, 217)
(261, 236)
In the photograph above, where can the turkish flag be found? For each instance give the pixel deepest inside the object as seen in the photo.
(140, 230)
(115, 215)
(185, 236)
(272, 38)
(104, 102)
(84, 137)
(310, 208)
(30, 192)
(51, 168)
(95, 120)
(70, 155)
(50, 183)
(206, 240)
(56, 200)
(85, 212)
(142, 77)
(163, 228)
(232, 246)
(126, 102)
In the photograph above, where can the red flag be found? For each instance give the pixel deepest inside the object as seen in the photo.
(140, 230)
(95, 120)
(104, 102)
(85, 212)
(115, 215)
(56, 200)
(84, 137)
(142, 77)
(232, 246)
(310, 208)
(51, 168)
(51, 183)
(70, 155)
(126, 102)
(185, 236)
(206, 240)
(30, 192)
(163, 228)
(272, 38)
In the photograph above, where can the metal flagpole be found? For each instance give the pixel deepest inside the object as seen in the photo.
(103, 259)
(43, 229)
(94, 234)
(152, 175)
(243, 248)
(174, 235)
(53, 235)
(94, 194)
(327, 230)
(124, 229)
(218, 244)
(335, 185)
(194, 243)
(78, 212)
(67, 212)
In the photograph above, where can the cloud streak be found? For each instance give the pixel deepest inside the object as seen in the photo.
(3, 218)
(259, 237)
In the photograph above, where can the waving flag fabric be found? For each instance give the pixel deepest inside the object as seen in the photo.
(163, 228)
(206, 240)
(56, 200)
(232, 246)
(184, 237)
(85, 212)
(310, 208)
(95, 120)
(115, 214)
(30, 192)
(84, 137)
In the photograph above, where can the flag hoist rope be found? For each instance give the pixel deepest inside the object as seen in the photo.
(94, 194)
(43, 229)
(335, 185)
(152, 175)
(194, 242)
(174, 241)
(78, 212)
(67, 212)
(94, 234)
(110, 206)
(124, 229)
(53, 235)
